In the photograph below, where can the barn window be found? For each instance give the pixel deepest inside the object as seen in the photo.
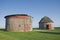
(19, 25)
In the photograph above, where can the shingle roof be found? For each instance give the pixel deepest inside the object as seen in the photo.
(46, 19)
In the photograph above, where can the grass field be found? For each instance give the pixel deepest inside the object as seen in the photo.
(34, 35)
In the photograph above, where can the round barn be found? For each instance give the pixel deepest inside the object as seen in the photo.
(18, 23)
(46, 23)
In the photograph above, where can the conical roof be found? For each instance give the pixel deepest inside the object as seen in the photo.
(46, 19)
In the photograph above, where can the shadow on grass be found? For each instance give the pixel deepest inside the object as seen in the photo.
(58, 33)
(2, 30)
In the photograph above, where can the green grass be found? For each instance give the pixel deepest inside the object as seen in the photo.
(34, 35)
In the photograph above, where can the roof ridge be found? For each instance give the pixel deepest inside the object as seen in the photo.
(46, 19)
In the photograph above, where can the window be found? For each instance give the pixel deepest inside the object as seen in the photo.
(19, 25)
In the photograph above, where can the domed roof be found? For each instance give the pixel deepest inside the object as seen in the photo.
(46, 19)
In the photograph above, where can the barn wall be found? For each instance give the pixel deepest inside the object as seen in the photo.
(19, 24)
(43, 26)
(51, 27)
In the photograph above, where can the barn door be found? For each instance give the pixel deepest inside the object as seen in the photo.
(47, 26)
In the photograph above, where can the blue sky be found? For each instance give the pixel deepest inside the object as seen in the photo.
(36, 8)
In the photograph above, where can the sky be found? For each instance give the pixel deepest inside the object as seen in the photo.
(35, 8)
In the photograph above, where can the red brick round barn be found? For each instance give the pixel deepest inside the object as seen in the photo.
(18, 23)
